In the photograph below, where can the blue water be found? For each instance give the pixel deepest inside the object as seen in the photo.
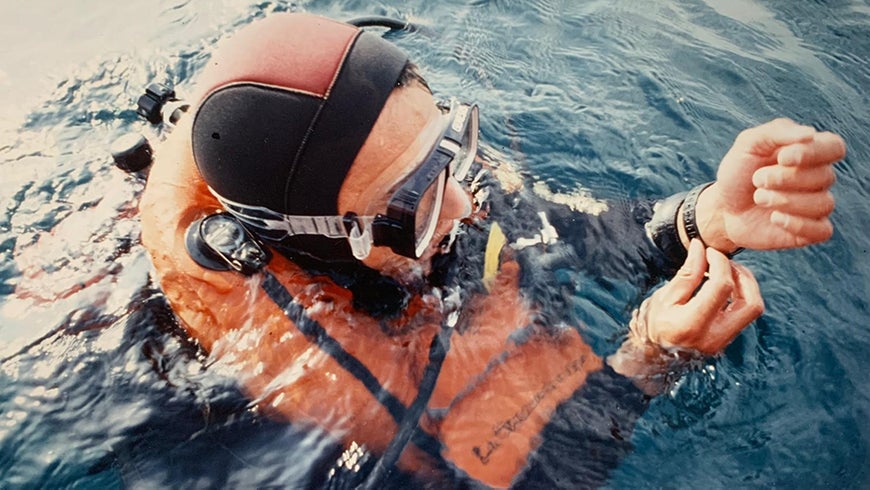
(98, 388)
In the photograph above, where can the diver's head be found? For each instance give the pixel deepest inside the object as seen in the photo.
(324, 139)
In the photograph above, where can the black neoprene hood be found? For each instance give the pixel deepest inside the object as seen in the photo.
(289, 102)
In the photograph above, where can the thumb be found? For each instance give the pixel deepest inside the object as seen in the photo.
(684, 284)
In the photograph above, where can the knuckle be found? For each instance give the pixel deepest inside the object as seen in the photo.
(838, 143)
(827, 230)
(755, 308)
(802, 241)
(827, 204)
(745, 135)
(830, 177)
(744, 271)
(684, 274)
(815, 231)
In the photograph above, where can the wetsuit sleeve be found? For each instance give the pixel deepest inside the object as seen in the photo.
(633, 240)
(587, 436)
(629, 239)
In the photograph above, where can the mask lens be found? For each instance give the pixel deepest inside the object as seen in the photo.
(427, 212)
(467, 120)
(408, 209)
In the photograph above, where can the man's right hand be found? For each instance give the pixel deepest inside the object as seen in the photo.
(690, 314)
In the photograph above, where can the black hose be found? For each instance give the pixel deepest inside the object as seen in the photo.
(381, 21)
(387, 463)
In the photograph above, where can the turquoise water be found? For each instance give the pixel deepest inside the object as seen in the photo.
(98, 388)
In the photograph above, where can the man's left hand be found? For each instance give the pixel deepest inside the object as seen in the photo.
(772, 189)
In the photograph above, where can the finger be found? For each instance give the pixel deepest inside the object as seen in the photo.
(746, 292)
(824, 149)
(815, 205)
(766, 138)
(715, 292)
(681, 288)
(801, 179)
(746, 305)
(805, 231)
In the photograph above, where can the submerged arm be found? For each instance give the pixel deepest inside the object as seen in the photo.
(700, 311)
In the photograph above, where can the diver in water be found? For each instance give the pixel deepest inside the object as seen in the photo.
(401, 309)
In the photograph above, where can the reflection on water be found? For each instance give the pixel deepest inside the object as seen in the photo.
(591, 99)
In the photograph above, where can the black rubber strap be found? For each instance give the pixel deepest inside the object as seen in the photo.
(406, 418)
(663, 231)
(437, 353)
(690, 219)
(316, 333)
(690, 222)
